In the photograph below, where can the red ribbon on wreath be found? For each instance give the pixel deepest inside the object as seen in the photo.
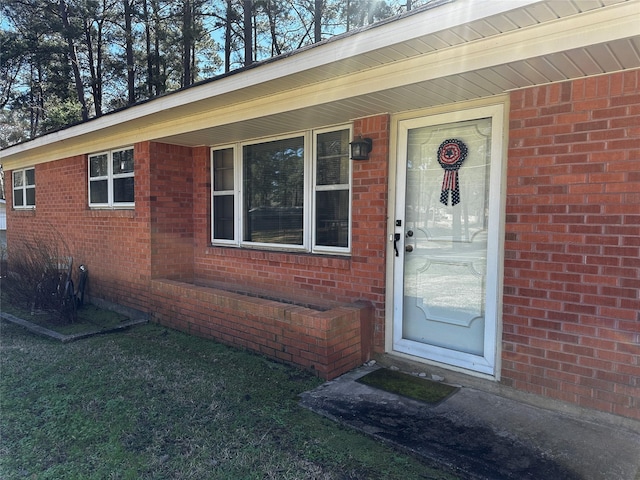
(451, 154)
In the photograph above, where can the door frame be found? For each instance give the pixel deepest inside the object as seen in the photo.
(488, 366)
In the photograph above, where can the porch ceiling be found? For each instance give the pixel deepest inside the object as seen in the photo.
(484, 82)
(540, 43)
(453, 52)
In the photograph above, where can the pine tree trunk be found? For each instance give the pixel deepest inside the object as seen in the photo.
(248, 33)
(73, 58)
(131, 72)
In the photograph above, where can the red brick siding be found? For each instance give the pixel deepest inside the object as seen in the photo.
(325, 342)
(171, 202)
(572, 250)
(316, 278)
(112, 243)
(167, 235)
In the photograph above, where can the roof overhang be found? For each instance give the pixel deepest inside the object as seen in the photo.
(458, 51)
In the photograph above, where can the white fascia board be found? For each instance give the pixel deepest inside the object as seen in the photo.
(343, 47)
(569, 33)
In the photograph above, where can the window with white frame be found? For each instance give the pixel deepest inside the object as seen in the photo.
(24, 188)
(111, 178)
(224, 201)
(289, 192)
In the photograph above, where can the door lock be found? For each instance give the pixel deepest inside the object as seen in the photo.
(408, 248)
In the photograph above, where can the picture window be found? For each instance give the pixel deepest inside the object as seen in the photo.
(290, 192)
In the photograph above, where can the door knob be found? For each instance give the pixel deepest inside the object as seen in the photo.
(408, 248)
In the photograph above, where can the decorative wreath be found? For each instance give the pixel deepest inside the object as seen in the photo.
(451, 154)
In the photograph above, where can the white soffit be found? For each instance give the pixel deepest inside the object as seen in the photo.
(458, 51)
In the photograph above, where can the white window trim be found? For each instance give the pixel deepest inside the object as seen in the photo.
(316, 188)
(310, 189)
(23, 188)
(237, 176)
(109, 178)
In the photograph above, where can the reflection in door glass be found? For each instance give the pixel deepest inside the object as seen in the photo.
(447, 197)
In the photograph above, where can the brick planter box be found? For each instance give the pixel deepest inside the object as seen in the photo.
(328, 342)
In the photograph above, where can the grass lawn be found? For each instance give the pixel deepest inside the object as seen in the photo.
(152, 403)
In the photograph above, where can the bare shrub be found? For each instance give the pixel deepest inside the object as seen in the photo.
(39, 278)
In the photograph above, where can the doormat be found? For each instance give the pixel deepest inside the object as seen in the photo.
(410, 386)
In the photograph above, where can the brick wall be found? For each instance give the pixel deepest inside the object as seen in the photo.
(327, 343)
(572, 250)
(171, 205)
(316, 279)
(167, 235)
(113, 244)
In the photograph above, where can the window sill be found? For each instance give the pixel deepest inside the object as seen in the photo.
(285, 249)
(333, 260)
(27, 211)
(112, 207)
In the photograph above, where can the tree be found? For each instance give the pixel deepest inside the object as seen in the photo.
(187, 43)
(156, 84)
(128, 34)
(248, 32)
(96, 18)
(317, 20)
(11, 62)
(42, 68)
(64, 61)
(69, 35)
(228, 35)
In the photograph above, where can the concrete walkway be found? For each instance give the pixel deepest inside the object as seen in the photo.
(475, 434)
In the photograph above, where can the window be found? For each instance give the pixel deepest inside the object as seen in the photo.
(332, 189)
(24, 188)
(223, 194)
(292, 193)
(111, 179)
(273, 192)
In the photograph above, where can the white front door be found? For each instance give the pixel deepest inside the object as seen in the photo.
(447, 238)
